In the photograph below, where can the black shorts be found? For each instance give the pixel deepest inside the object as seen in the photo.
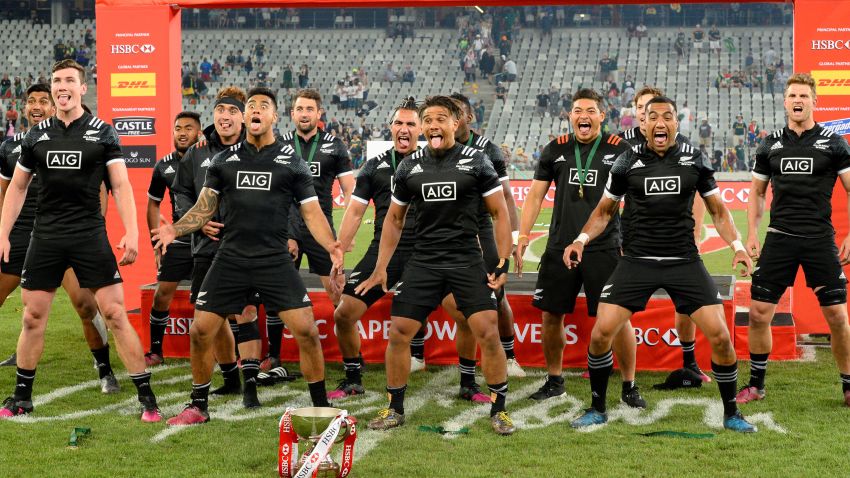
(490, 252)
(19, 240)
(558, 287)
(230, 284)
(635, 280)
(782, 255)
(90, 257)
(366, 266)
(177, 263)
(200, 267)
(421, 290)
(317, 257)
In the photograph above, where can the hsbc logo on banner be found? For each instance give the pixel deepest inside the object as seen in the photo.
(439, 191)
(257, 180)
(662, 185)
(134, 126)
(830, 44)
(126, 49)
(64, 159)
(653, 336)
(179, 326)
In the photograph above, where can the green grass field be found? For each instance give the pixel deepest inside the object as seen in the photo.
(802, 424)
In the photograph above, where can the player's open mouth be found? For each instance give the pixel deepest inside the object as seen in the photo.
(435, 141)
(225, 124)
(255, 124)
(584, 127)
(660, 138)
(63, 99)
(37, 115)
(797, 109)
(403, 141)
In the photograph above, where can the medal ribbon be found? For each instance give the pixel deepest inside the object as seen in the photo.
(312, 148)
(288, 446)
(582, 170)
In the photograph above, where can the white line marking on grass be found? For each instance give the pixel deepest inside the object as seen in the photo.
(529, 255)
(809, 353)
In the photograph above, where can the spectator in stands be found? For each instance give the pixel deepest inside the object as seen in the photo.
(350, 93)
(358, 94)
(698, 35)
(749, 62)
(730, 162)
(88, 38)
(333, 126)
(12, 117)
(640, 30)
(613, 116)
(248, 66)
(478, 45)
(389, 73)
(752, 133)
(470, 65)
(59, 50)
(190, 88)
(705, 134)
(6, 86)
(770, 75)
(304, 77)
(18, 87)
(216, 70)
(739, 130)
(230, 61)
(486, 64)
(522, 160)
(542, 103)
(509, 70)
(685, 118)
(535, 157)
(386, 133)
(606, 66)
(714, 38)
(679, 46)
(631, 30)
(286, 82)
(339, 94)
(408, 76)
(741, 154)
(240, 59)
(628, 93)
(479, 111)
(504, 46)
(501, 91)
(41, 79)
(83, 56)
(206, 70)
(770, 56)
(259, 51)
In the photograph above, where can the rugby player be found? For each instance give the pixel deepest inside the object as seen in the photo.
(71, 153)
(579, 165)
(658, 180)
(802, 161)
(39, 106)
(375, 183)
(177, 265)
(444, 182)
(252, 184)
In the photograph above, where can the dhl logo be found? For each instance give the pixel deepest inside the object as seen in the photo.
(832, 82)
(133, 84)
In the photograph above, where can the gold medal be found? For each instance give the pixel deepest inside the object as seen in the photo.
(581, 191)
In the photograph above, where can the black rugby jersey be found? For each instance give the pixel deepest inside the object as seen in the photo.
(162, 178)
(635, 137)
(71, 163)
(375, 182)
(191, 173)
(802, 171)
(256, 189)
(571, 212)
(10, 151)
(659, 193)
(446, 192)
(494, 154)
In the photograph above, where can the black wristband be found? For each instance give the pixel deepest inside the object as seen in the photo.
(506, 266)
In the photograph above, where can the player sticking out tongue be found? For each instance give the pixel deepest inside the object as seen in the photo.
(439, 124)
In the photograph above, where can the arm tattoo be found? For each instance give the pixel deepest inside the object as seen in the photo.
(200, 213)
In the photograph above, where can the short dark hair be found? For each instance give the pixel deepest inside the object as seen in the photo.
(68, 63)
(463, 99)
(39, 88)
(188, 114)
(661, 99)
(262, 90)
(588, 94)
(310, 94)
(407, 103)
(647, 90)
(440, 101)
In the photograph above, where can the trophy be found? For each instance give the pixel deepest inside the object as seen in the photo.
(315, 429)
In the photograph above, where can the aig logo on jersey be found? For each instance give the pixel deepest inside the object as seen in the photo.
(439, 191)
(258, 180)
(662, 185)
(64, 159)
(796, 165)
(316, 169)
(589, 178)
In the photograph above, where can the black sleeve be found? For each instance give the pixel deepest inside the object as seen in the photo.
(156, 190)
(342, 159)
(545, 170)
(363, 188)
(112, 146)
(841, 154)
(213, 179)
(706, 185)
(27, 159)
(183, 186)
(488, 180)
(6, 169)
(498, 160)
(761, 166)
(401, 193)
(302, 186)
(618, 182)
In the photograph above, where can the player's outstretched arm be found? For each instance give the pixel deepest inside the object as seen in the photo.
(504, 243)
(346, 185)
(530, 211)
(699, 219)
(725, 225)
(390, 235)
(193, 220)
(351, 221)
(755, 211)
(122, 191)
(595, 225)
(13, 196)
(844, 252)
(318, 225)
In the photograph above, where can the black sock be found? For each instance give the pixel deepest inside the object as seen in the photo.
(200, 395)
(250, 370)
(318, 394)
(845, 382)
(417, 345)
(101, 356)
(599, 367)
(230, 372)
(726, 377)
(628, 385)
(159, 320)
(274, 328)
(758, 369)
(234, 329)
(508, 345)
(500, 392)
(557, 379)
(467, 372)
(397, 398)
(352, 369)
(689, 359)
(23, 388)
(142, 381)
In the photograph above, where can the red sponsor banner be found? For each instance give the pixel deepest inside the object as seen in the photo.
(138, 63)
(658, 344)
(821, 41)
